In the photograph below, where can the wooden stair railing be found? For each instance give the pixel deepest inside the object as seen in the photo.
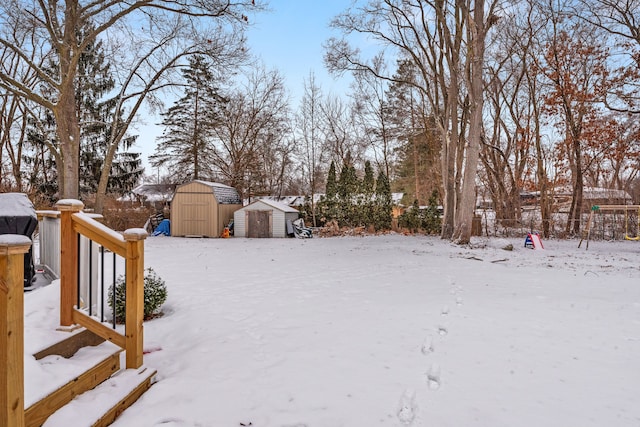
(12, 250)
(73, 223)
(130, 246)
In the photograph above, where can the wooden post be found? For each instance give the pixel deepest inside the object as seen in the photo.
(12, 250)
(135, 296)
(68, 260)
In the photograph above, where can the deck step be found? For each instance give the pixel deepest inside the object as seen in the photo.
(67, 378)
(102, 405)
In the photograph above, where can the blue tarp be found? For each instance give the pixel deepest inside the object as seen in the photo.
(164, 228)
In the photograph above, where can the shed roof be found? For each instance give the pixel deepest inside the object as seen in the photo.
(276, 205)
(224, 194)
(155, 192)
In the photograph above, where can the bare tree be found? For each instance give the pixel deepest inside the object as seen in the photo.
(372, 112)
(619, 18)
(15, 111)
(339, 131)
(445, 40)
(575, 66)
(174, 28)
(253, 125)
(308, 135)
(513, 99)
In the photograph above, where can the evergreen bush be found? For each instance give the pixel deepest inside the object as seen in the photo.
(411, 218)
(155, 294)
(384, 204)
(432, 223)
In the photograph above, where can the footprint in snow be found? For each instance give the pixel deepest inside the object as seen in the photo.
(445, 310)
(442, 330)
(407, 407)
(433, 376)
(427, 346)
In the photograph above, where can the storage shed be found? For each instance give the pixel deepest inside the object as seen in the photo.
(263, 218)
(203, 209)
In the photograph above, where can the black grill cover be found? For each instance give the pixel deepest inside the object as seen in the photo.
(18, 216)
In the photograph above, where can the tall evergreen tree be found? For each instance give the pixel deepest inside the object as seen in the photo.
(185, 147)
(365, 198)
(369, 181)
(331, 190)
(384, 203)
(92, 84)
(348, 187)
(331, 194)
(432, 223)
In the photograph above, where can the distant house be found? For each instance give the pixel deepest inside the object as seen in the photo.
(203, 209)
(264, 218)
(591, 196)
(156, 195)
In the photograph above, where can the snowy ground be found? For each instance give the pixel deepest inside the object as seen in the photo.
(389, 331)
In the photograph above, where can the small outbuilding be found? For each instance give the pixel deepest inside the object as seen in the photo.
(264, 218)
(203, 209)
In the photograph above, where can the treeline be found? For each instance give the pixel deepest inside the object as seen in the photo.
(352, 202)
(473, 98)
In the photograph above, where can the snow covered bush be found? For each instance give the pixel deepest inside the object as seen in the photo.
(155, 294)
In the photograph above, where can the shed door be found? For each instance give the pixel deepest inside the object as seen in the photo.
(259, 224)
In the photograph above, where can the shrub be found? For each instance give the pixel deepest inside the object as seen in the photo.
(155, 294)
(411, 219)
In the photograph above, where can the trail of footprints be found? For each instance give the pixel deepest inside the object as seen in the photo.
(408, 408)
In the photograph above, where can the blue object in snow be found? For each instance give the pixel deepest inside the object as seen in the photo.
(164, 228)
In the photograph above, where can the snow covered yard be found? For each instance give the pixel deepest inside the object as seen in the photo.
(390, 331)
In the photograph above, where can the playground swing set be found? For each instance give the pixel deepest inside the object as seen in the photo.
(627, 209)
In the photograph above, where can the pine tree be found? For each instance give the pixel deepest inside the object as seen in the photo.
(432, 224)
(347, 190)
(411, 218)
(384, 203)
(94, 81)
(332, 187)
(365, 198)
(418, 171)
(368, 182)
(331, 195)
(185, 147)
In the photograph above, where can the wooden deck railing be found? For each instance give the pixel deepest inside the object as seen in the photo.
(73, 224)
(130, 246)
(12, 251)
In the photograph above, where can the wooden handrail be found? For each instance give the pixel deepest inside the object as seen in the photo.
(12, 250)
(130, 246)
(92, 229)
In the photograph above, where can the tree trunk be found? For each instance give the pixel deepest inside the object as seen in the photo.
(462, 232)
(68, 132)
(448, 178)
(578, 191)
(68, 126)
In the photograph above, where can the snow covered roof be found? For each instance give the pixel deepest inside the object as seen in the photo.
(589, 193)
(276, 205)
(153, 192)
(224, 194)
